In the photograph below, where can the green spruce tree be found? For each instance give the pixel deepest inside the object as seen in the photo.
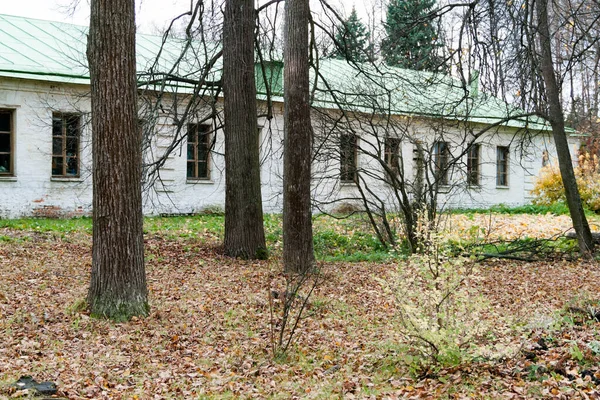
(412, 37)
(352, 40)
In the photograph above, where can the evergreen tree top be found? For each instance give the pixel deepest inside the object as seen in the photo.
(412, 36)
(351, 39)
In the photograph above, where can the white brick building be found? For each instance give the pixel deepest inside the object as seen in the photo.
(45, 151)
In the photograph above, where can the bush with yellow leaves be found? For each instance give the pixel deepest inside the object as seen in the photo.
(549, 187)
(441, 314)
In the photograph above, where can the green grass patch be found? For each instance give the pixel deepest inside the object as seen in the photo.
(331, 245)
(533, 209)
(334, 240)
(186, 226)
(82, 224)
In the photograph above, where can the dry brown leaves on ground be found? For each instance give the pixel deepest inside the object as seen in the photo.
(208, 334)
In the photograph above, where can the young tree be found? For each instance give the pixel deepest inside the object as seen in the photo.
(118, 281)
(352, 40)
(412, 36)
(298, 254)
(244, 231)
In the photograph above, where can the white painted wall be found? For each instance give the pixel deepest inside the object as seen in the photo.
(32, 191)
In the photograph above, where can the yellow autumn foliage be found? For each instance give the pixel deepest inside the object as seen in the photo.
(549, 187)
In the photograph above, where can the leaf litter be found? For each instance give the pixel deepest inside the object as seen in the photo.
(208, 334)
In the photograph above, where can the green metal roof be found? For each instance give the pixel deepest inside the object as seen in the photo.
(47, 49)
(54, 51)
(414, 93)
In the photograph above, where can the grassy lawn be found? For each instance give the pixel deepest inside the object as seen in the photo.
(209, 334)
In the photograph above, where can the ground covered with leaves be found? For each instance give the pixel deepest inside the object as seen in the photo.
(213, 320)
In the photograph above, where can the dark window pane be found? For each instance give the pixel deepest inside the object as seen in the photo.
(57, 166)
(204, 129)
(473, 165)
(202, 170)
(57, 126)
(57, 146)
(72, 166)
(4, 122)
(204, 138)
(191, 170)
(441, 156)
(72, 126)
(4, 163)
(502, 166)
(202, 152)
(72, 146)
(190, 151)
(192, 133)
(348, 157)
(392, 154)
(4, 143)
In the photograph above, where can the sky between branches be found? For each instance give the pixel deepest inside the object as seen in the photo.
(152, 15)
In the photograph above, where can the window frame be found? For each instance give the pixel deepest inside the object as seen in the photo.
(441, 159)
(473, 165)
(64, 118)
(11, 134)
(348, 170)
(204, 131)
(502, 166)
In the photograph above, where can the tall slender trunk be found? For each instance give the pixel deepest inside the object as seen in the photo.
(298, 254)
(244, 229)
(118, 281)
(556, 117)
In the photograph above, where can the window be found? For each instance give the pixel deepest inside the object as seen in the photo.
(392, 154)
(6, 142)
(473, 165)
(348, 157)
(545, 159)
(198, 151)
(502, 166)
(441, 156)
(419, 168)
(65, 145)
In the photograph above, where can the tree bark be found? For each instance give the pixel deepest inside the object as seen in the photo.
(298, 254)
(557, 121)
(244, 229)
(118, 280)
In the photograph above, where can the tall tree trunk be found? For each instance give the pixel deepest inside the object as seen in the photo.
(298, 254)
(118, 281)
(557, 121)
(244, 229)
